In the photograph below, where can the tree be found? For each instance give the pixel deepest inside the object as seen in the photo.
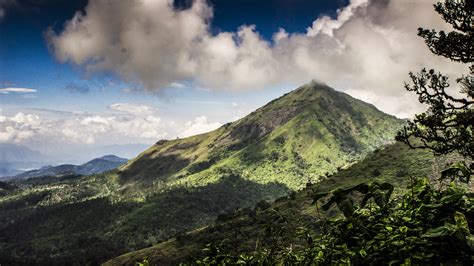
(447, 125)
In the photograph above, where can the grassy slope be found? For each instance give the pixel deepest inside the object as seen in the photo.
(182, 184)
(243, 229)
(294, 140)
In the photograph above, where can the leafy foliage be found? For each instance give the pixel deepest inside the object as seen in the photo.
(425, 226)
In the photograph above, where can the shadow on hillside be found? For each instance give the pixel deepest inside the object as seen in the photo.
(156, 168)
(96, 230)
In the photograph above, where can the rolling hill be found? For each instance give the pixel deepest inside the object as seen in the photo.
(183, 184)
(94, 166)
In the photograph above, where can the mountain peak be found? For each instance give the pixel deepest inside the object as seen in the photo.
(314, 127)
(112, 158)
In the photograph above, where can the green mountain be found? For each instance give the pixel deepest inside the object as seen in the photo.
(292, 140)
(183, 184)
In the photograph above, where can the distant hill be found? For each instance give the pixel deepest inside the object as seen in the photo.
(14, 158)
(183, 184)
(95, 166)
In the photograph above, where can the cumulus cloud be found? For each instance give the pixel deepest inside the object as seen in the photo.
(199, 125)
(366, 50)
(81, 129)
(16, 90)
(19, 127)
(127, 123)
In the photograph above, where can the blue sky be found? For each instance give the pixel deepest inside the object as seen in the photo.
(26, 62)
(137, 71)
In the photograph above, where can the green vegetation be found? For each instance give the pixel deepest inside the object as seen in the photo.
(427, 226)
(429, 223)
(247, 230)
(183, 184)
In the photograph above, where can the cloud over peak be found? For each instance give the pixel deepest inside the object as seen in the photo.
(367, 50)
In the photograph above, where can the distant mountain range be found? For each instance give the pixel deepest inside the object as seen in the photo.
(95, 166)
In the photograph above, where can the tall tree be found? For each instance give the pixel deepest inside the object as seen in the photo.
(447, 125)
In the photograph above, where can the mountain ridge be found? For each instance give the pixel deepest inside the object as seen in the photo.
(94, 166)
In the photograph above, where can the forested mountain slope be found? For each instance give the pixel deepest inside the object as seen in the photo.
(247, 229)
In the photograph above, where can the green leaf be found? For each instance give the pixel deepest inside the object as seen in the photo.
(320, 254)
(444, 230)
(457, 170)
(451, 198)
(403, 229)
(461, 223)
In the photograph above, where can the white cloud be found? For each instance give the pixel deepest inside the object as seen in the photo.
(177, 85)
(199, 125)
(79, 128)
(367, 50)
(16, 90)
(19, 127)
(41, 130)
(137, 109)
(327, 25)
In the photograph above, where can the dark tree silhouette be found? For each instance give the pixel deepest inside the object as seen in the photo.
(447, 125)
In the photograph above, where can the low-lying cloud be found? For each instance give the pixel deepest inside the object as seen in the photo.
(124, 123)
(367, 50)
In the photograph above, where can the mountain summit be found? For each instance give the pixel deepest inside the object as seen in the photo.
(293, 140)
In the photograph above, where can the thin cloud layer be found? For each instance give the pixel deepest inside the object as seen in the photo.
(137, 109)
(366, 51)
(16, 90)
